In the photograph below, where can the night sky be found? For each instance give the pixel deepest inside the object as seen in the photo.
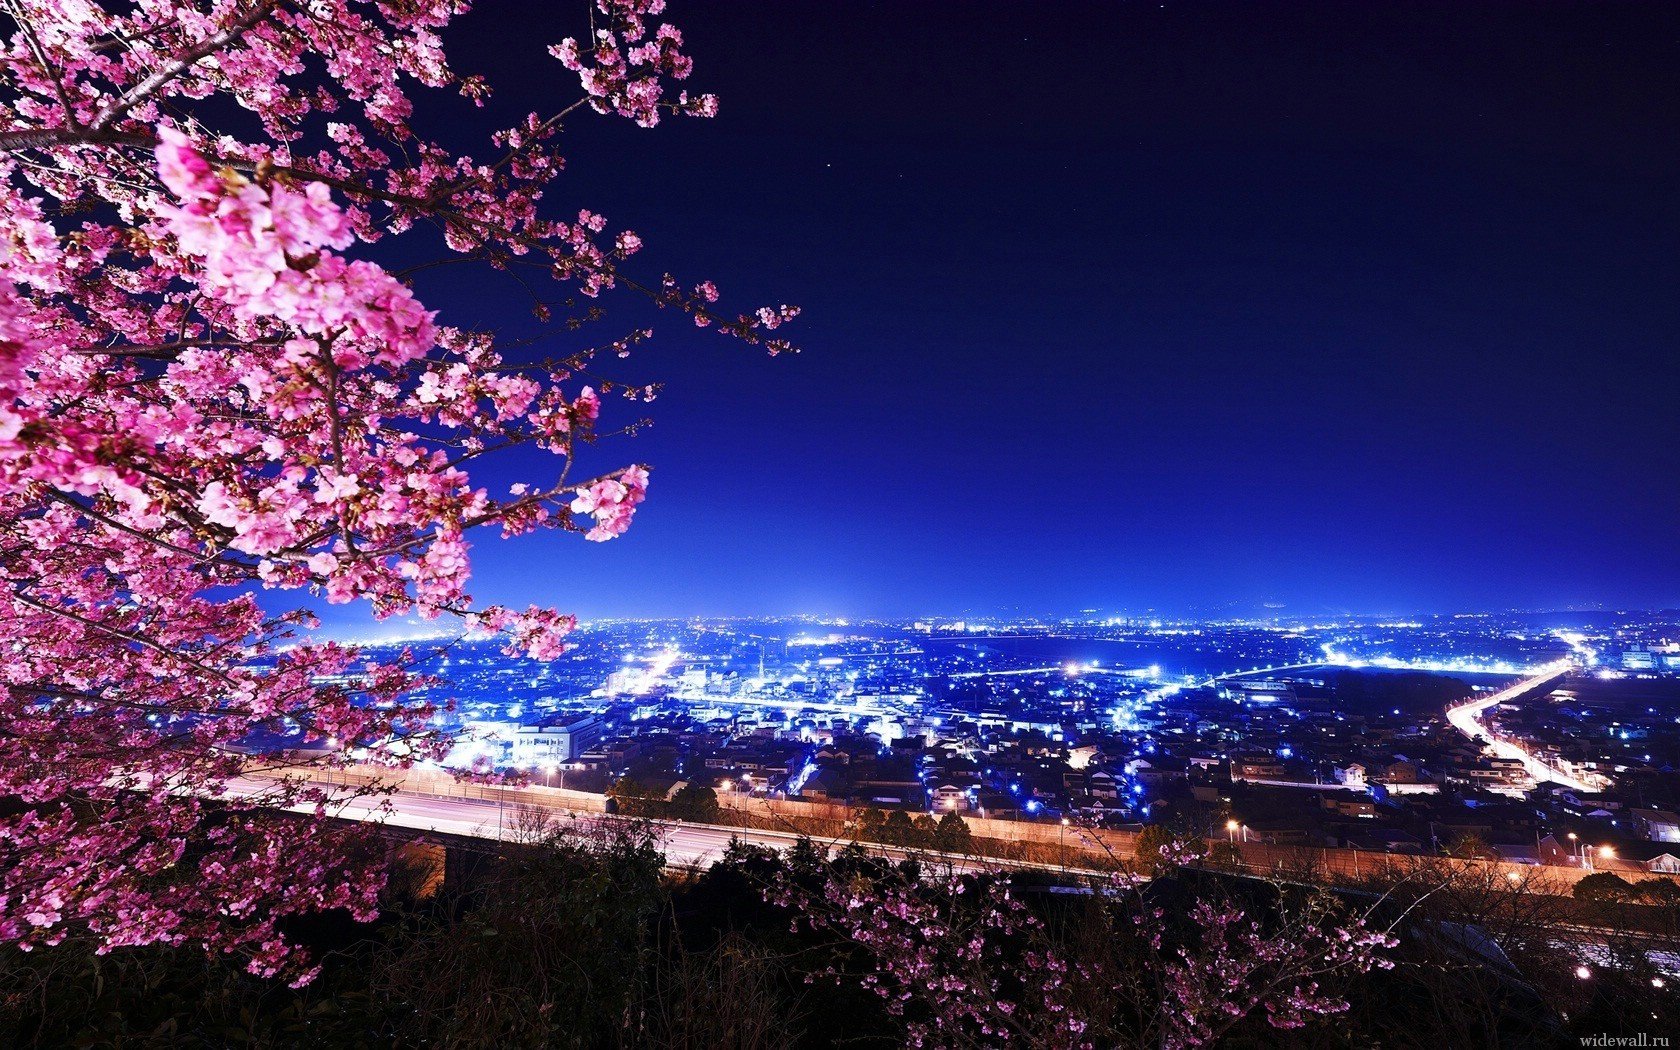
(1191, 307)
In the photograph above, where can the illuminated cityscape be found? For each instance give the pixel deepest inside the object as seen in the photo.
(622, 524)
(1397, 736)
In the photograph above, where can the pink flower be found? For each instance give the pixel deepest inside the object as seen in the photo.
(181, 167)
(612, 502)
(209, 386)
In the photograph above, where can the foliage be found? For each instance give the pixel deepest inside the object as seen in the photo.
(695, 803)
(561, 939)
(1160, 849)
(1604, 886)
(631, 798)
(572, 936)
(1224, 855)
(207, 386)
(552, 950)
(952, 834)
(898, 829)
(1658, 891)
(1470, 846)
(964, 961)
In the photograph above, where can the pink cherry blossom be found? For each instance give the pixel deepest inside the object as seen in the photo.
(612, 502)
(209, 389)
(963, 961)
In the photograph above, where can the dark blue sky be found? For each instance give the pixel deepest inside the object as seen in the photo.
(1190, 306)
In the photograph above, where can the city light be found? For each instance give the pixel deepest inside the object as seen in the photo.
(1209, 409)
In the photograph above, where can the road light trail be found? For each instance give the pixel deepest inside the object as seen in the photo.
(1465, 719)
(684, 845)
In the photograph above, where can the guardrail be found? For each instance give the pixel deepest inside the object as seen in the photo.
(1041, 839)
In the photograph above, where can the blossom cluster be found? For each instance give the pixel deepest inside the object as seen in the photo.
(263, 252)
(1234, 966)
(612, 502)
(951, 956)
(208, 389)
(965, 962)
(622, 68)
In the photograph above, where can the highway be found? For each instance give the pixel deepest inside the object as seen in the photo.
(1233, 675)
(1465, 719)
(689, 846)
(439, 804)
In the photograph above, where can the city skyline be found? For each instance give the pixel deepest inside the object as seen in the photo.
(1013, 622)
(1160, 530)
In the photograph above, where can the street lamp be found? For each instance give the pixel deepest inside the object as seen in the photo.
(1231, 830)
(501, 789)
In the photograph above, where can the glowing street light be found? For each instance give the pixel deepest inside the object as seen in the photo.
(1231, 830)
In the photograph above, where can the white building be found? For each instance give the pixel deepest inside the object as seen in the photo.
(948, 798)
(555, 742)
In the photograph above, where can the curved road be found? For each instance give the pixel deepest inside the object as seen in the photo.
(1465, 719)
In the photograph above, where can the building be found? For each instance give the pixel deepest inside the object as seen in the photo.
(1400, 771)
(949, 798)
(1259, 691)
(1639, 660)
(1493, 774)
(1349, 806)
(1658, 825)
(826, 785)
(1647, 856)
(1258, 769)
(556, 740)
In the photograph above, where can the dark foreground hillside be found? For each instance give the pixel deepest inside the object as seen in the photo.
(580, 939)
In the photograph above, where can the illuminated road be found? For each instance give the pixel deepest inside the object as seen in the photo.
(781, 703)
(1232, 675)
(684, 845)
(1074, 669)
(1465, 719)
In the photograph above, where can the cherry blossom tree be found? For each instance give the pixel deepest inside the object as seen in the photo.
(207, 389)
(965, 962)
